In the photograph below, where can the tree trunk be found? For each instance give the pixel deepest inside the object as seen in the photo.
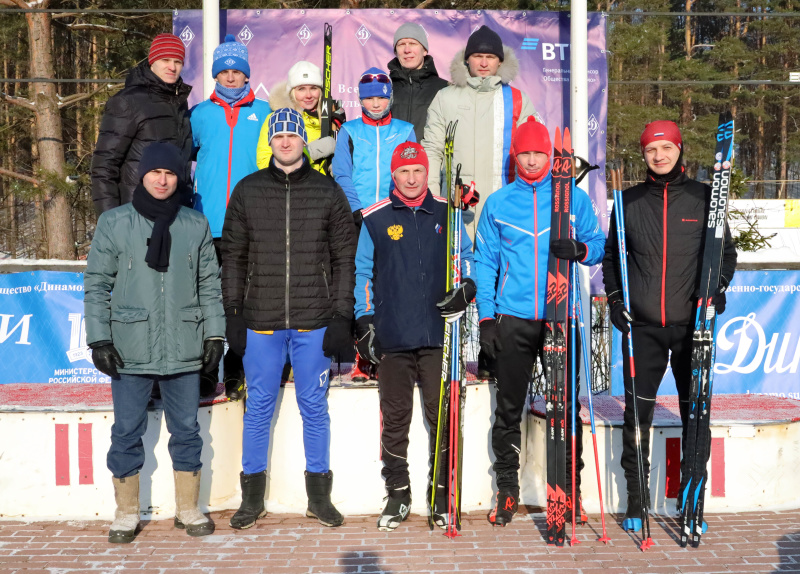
(49, 133)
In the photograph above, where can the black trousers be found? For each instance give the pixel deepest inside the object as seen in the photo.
(397, 376)
(522, 340)
(651, 347)
(231, 363)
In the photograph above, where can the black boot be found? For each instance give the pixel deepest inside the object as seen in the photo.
(580, 515)
(208, 383)
(318, 487)
(505, 507)
(398, 505)
(254, 486)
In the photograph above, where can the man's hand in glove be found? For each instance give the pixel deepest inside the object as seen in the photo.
(620, 317)
(338, 337)
(212, 354)
(456, 301)
(568, 249)
(367, 343)
(106, 358)
(489, 338)
(718, 298)
(321, 148)
(339, 116)
(235, 331)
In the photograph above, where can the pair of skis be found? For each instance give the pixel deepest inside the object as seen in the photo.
(453, 392)
(698, 434)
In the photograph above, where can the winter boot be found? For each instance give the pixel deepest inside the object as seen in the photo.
(632, 521)
(318, 487)
(580, 514)
(398, 505)
(441, 516)
(234, 386)
(208, 383)
(187, 515)
(126, 518)
(505, 507)
(254, 487)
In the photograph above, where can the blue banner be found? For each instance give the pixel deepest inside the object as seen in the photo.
(42, 333)
(758, 338)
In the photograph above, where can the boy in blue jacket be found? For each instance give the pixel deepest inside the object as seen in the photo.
(225, 131)
(401, 263)
(364, 146)
(512, 248)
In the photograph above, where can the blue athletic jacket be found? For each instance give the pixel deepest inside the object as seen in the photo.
(512, 246)
(401, 266)
(225, 141)
(363, 158)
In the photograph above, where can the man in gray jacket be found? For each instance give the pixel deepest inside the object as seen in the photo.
(153, 309)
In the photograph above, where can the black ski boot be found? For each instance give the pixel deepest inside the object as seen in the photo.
(318, 487)
(505, 507)
(441, 514)
(254, 486)
(398, 505)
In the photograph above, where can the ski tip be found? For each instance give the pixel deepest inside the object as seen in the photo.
(557, 141)
(566, 145)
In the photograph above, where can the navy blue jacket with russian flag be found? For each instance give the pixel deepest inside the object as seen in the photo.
(401, 266)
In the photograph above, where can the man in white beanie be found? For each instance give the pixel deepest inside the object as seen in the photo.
(414, 77)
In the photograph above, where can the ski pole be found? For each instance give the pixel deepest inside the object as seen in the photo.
(647, 541)
(573, 388)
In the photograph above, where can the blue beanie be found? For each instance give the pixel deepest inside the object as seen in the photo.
(162, 155)
(370, 87)
(230, 55)
(287, 121)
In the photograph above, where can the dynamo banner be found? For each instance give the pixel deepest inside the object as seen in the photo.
(758, 338)
(277, 39)
(42, 332)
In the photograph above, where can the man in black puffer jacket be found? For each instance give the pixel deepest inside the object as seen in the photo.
(151, 108)
(288, 274)
(665, 223)
(414, 78)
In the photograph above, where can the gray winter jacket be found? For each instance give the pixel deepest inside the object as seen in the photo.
(157, 321)
(474, 102)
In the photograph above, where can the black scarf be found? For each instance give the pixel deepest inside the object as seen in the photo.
(162, 212)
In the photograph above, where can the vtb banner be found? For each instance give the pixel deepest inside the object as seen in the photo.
(277, 39)
(758, 338)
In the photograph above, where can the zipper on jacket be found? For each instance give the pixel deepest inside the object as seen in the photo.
(505, 278)
(288, 189)
(664, 263)
(536, 253)
(325, 278)
(422, 275)
(378, 165)
(249, 276)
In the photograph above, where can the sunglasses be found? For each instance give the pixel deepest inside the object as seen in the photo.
(369, 78)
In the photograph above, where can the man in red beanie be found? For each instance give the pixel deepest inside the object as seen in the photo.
(401, 266)
(665, 222)
(151, 108)
(512, 246)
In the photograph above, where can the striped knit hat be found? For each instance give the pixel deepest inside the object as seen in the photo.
(166, 46)
(287, 121)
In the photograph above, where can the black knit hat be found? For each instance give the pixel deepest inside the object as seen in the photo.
(161, 155)
(484, 41)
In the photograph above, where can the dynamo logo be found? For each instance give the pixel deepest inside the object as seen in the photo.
(530, 43)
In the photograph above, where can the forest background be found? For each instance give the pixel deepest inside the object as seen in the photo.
(682, 60)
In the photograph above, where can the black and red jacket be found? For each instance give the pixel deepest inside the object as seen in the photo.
(664, 235)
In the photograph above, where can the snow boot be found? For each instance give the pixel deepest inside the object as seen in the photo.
(208, 383)
(126, 518)
(506, 505)
(187, 514)
(441, 516)
(398, 505)
(632, 521)
(234, 386)
(580, 514)
(254, 486)
(318, 487)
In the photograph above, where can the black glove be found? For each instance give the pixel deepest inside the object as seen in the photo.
(719, 296)
(568, 249)
(456, 301)
(490, 340)
(358, 217)
(367, 343)
(106, 359)
(339, 116)
(620, 317)
(236, 331)
(338, 337)
(212, 353)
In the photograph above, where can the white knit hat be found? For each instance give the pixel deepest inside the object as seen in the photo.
(304, 74)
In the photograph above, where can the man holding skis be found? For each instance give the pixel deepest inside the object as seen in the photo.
(512, 249)
(399, 324)
(665, 222)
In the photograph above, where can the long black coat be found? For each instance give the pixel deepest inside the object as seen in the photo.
(288, 250)
(665, 227)
(413, 92)
(147, 110)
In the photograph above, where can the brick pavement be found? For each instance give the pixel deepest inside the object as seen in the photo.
(290, 544)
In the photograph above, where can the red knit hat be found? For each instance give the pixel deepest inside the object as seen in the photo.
(532, 136)
(166, 46)
(661, 130)
(409, 153)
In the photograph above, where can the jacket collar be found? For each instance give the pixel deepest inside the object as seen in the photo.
(427, 203)
(297, 175)
(545, 182)
(143, 76)
(384, 121)
(398, 72)
(244, 101)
